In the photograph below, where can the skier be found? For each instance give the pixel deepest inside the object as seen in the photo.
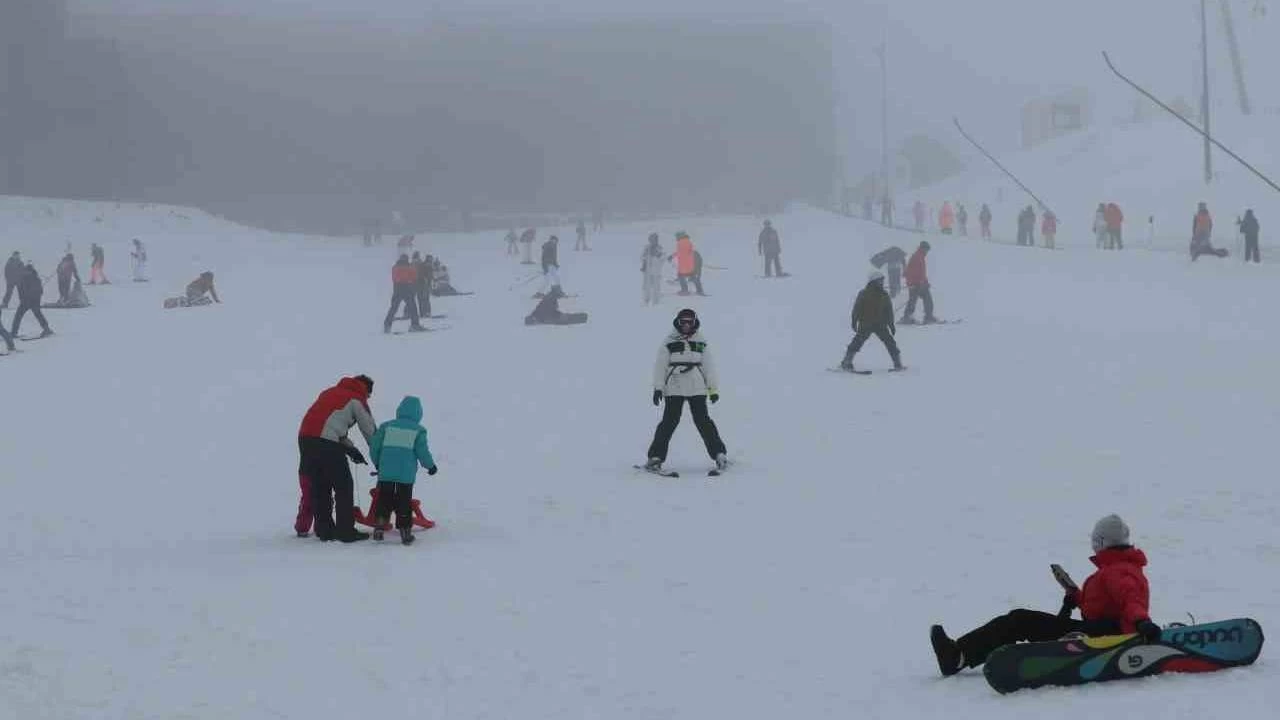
(1202, 234)
(526, 239)
(422, 284)
(946, 218)
(404, 290)
(512, 242)
(1115, 226)
(651, 268)
(891, 259)
(872, 315)
(13, 268)
(67, 272)
(550, 265)
(1049, 228)
(1249, 228)
(397, 448)
(886, 211)
(1100, 232)
(918, 212)
(325, 449)
(687, 266)
(139, 256)
(97, 265)
(917, 277)
(30, 292)
(962, 217)
(1112, 601)
(581, 244)
(984, 219)
(547, 311)
(770, 246)
(1026, 227)
(685, 372)
(200, 287)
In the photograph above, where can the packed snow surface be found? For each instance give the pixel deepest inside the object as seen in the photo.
(150, 477)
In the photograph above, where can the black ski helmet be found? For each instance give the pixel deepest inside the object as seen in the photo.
(686, 314)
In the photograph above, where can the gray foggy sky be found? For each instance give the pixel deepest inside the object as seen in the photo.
(980, 59)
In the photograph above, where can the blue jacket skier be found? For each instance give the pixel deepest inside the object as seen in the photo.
(397, 448)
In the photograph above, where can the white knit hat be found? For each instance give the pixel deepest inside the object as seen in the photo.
(1110, 531)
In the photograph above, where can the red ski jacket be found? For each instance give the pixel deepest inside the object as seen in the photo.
(916, 275)
(403, 274)
(336, 410)
(1118, 591)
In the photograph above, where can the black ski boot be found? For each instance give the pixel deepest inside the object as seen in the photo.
(950, 659)
(350, 536)
(406, 536)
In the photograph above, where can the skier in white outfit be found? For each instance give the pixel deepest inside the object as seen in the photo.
(651, 266)
(1101, 234)
(685, 372)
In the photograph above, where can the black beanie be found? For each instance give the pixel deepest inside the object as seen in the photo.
(368, 382)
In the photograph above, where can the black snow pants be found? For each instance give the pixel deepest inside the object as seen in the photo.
(424, 300)
(9, 287)
(671, 419)
(23, 309)
(325, 463)
(402, 293)
(398, 497)
(1025, 625)
(864, 333)
(5, 336)
(684, 284)
(773, 264)
(895, 279)
(919, 292)
(1250, 250)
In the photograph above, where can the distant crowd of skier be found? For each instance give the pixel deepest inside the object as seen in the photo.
(1107, 226)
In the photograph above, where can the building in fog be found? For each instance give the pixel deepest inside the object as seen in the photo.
(1046, 118)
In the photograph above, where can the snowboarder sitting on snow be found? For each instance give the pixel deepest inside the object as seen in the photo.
(873, 315)
(440, 284)
(1112, 601)
(685, 372)
(1201, 233)
(396, 449)
(548, 311)
(202, 286)
(918, 286)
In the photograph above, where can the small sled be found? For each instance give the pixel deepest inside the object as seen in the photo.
(370, 519)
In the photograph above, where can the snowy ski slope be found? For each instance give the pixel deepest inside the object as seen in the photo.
(150, 481)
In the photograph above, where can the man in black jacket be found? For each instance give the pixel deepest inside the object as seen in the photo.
(30, 292)
(770, 246)
(1249, 228)
(873, 315)
(12, 274)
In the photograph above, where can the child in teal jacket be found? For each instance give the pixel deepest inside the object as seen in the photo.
(396, 449)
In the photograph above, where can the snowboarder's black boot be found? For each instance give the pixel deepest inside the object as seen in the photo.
(350, 536)
(897, 363)
(406, 536)
(950, 659)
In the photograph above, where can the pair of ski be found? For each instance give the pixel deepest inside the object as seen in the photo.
(864, 372)
(660, 472)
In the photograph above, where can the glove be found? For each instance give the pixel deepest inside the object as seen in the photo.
(1148, 630)
(433, 470)
(356, 457)
(657, 398)
(1068, 606)
(715, 398)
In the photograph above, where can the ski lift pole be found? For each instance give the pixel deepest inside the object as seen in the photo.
(997, 163)
(1189, 124)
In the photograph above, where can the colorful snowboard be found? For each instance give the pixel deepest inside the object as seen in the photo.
(1194, 648)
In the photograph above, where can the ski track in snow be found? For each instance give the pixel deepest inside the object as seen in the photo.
(150, 478)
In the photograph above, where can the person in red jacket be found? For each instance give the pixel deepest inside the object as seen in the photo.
(404, 290)
(1112, 601)
(1115, 226)
(324, 447)
(1049, 228)
(917, 277)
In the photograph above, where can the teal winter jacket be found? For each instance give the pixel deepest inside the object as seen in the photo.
(400, 445)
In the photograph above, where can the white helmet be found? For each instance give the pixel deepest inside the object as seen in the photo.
(875, 276)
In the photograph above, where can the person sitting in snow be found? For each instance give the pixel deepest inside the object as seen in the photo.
(1202, 233)
(547, 312)
(201, 290)
(1112, 601)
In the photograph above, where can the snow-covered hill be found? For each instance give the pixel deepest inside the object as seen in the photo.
(1152, 170)
(150, 482)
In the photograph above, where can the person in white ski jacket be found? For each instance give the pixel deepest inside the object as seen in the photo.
(685, 372)
(139, 256)
(651, 266)
(1100, 231)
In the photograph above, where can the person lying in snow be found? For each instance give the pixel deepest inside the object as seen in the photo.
(548, 311)
(1112, 601)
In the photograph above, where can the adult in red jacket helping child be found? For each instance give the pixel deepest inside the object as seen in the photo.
(1112, 601)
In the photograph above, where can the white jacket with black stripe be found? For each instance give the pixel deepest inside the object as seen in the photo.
(684, 367)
